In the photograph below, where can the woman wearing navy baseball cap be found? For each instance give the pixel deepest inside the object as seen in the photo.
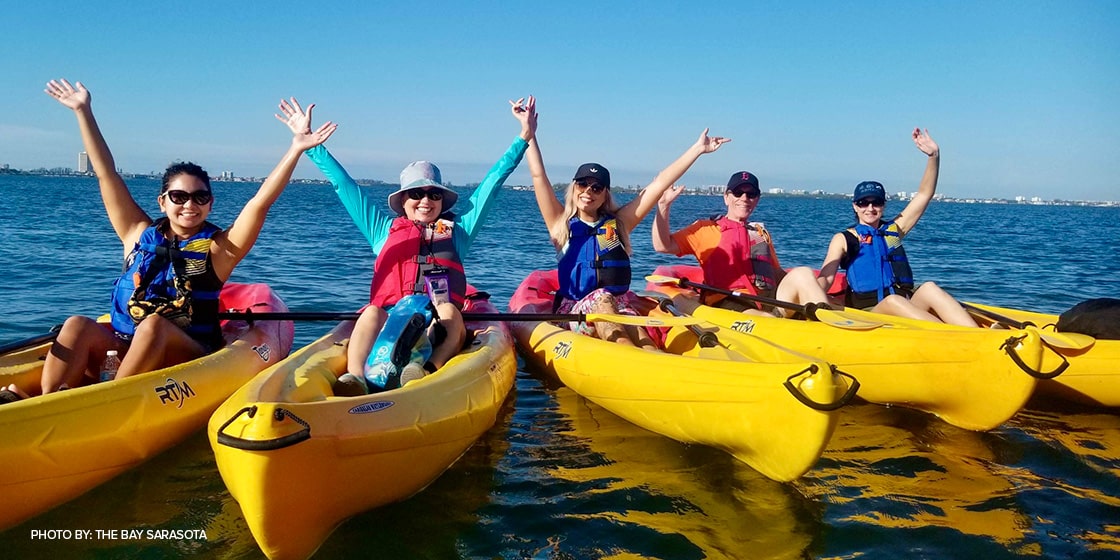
(871, 253)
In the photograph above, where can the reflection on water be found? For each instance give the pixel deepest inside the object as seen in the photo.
(698, 501)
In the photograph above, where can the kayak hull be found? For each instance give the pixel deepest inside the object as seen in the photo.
(733, 400)
(304, 460)
(968, 377)
(58, 446)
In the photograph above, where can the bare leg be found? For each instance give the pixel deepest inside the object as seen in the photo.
(77, 353)
(901, 307)
(800, 286)
(931, 297)
(158, 343)
(366, 329)
(611, 332)
(452, 321)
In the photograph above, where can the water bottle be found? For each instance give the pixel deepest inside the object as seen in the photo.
(110, 366)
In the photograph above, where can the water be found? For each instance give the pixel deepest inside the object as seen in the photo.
(559, 477)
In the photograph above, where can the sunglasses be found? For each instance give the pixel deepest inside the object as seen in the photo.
(595, 187)
(865, 202)
(433, 195)
(740, 192)
(201, 198)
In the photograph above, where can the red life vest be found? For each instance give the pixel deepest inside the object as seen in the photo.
(412, 249)
(739, 264)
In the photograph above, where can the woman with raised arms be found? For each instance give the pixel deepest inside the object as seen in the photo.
(591, 235)
(420, 240)
(878, 272)
(165, 304)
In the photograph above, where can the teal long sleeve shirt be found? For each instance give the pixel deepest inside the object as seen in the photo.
(374, 222)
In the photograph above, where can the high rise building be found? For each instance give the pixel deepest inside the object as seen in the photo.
(83, 162)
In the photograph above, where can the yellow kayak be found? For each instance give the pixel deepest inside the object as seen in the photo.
(58, 446)
(770, 408)
(972, 378)
(300, 461)
(1093, 375)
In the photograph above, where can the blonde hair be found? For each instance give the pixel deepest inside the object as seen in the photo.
(561, 232)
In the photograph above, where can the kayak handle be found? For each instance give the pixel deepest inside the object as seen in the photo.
(1009, 347)
(264, 445)
(844, 399)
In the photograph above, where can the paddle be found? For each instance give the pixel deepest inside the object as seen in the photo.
(583, 317)
(32, 341)
(813, 311)
(1068, 341)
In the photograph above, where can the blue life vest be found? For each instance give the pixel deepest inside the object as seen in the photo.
(595, 258)
(876, 264)
(173, 279)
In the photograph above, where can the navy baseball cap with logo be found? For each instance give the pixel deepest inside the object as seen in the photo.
(594, 171)
(870, 189)
(743, 181)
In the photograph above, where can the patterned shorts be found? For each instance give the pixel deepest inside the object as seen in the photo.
(623, 304)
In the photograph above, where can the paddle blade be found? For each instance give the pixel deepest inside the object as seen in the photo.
(659, 279)
(1064, 340)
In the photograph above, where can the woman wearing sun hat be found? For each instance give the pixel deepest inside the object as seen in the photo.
(878, 273)
(420, 240)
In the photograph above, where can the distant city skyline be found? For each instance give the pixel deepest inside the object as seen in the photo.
(696, 189)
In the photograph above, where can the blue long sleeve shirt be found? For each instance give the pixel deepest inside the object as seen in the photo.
(374, 222)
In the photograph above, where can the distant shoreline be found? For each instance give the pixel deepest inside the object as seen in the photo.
(706, 190)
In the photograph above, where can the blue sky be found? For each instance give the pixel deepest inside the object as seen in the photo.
(1022, 96)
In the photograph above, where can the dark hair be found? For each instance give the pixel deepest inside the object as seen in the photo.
(184, 168)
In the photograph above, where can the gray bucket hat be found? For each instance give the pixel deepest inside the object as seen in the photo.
(419, 174)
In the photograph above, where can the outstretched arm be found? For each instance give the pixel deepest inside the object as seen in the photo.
(917, 206)
(552, 209)
(636, 209)
(127, 218)
(473, 212)
(234, 243)
(663, 241)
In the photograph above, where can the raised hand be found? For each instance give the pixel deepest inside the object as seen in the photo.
(298, 121)
(925, 143)
(709, 144)
(526, 113)
(670, 195)
(74, 97)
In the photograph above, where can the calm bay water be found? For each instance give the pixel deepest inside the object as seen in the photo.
(559, 477)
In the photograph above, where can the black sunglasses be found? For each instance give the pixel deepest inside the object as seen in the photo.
(751, 194)
(201, 198)
(595, 187)
(417, 194)
(865, 202)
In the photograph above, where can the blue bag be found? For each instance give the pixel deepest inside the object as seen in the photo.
(402, 340)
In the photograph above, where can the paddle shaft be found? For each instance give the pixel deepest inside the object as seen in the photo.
(994, 316)
(741, 296)
(29, 342)
(706, 339)
(467, 316)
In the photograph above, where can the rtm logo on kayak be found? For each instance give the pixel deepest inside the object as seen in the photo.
(743, 326)
(562, 348)
(174, 391)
